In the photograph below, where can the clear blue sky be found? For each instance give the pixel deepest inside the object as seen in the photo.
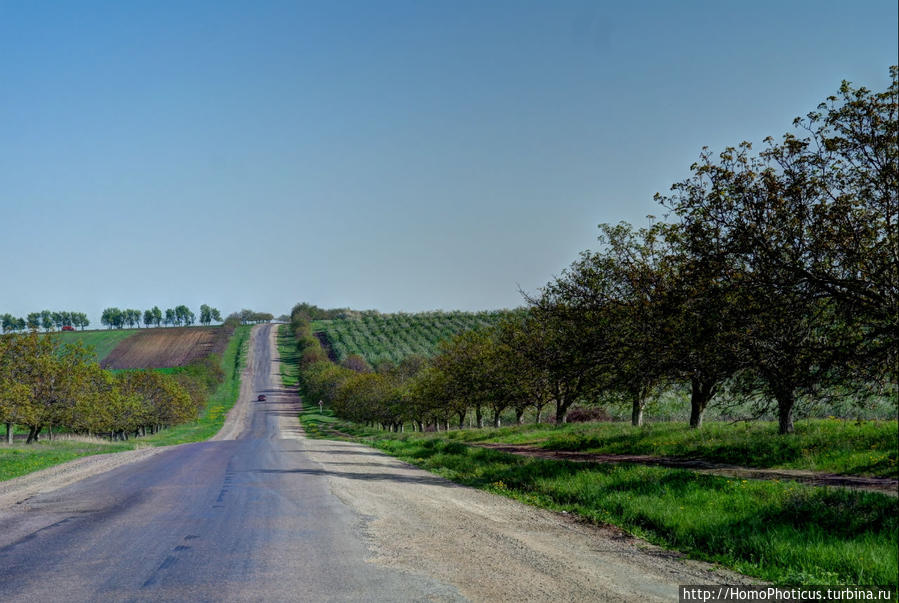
(390, 155)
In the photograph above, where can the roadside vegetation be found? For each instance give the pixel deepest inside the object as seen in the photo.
(772, 290)
(781, 532)
(828, 445)
(768, 301)
(130, 409)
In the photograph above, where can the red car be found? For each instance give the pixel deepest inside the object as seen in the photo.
(260, 398)
(68, 328)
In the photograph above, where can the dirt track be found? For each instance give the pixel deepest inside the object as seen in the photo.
(884, 485)
(161, 348)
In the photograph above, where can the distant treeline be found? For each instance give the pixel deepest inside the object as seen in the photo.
(248, 317)
(776, 277)
(45, 385)
(45, 319)
(175, 317)
(113, 318)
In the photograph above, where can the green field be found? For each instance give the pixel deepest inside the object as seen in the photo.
(392, 337)
(20, 458)
(103, 342)
(782, 532)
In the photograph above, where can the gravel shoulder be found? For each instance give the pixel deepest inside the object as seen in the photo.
(492, 548)
(20, 489)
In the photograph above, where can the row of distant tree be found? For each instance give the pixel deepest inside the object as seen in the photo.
(775, 275)
(118, 318)
(45, 319)
(115, 318)
(248, 317)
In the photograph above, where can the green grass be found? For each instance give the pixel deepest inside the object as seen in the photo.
(391, 337)
(868, 448)
(103, 342)
(290, 373)
(21, 459)
(781, 532)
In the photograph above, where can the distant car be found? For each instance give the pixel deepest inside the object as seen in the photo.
(260, 398)
(68, 328)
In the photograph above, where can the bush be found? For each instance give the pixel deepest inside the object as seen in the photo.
(583, 414)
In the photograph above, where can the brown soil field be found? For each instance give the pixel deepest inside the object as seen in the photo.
(167, 347)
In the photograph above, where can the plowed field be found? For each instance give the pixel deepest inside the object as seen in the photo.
(161, 348)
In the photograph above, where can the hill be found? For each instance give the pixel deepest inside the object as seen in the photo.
(391, 337)
(162, 348)
(103, 341)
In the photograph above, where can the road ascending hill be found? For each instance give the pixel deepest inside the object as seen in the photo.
(272, 516)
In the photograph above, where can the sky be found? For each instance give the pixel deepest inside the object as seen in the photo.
(399, 156)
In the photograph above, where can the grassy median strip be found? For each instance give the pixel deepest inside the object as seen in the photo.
(21, 459)
(785, 533)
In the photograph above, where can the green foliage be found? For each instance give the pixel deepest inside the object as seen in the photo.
(128, 406)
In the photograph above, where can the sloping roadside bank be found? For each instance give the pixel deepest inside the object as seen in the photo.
(232, 398)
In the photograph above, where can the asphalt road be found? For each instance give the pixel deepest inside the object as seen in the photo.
(237, 520)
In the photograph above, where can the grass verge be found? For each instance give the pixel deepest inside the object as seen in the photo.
(835, 446)
(290, 358)
(785, 533)
(21, 459)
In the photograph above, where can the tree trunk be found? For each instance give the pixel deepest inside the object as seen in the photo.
(785, 402)
(479, 417)
(50, 432)
(539, 409)
(9, 433)
(446, 425)
(701, 393)
(637, 411)
(462, 419)
(497, 421)
(519, 416)
(561, 412)
(32, 434)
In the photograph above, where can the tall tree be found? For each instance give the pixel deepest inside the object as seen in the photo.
(46, 319)
(205, 315)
